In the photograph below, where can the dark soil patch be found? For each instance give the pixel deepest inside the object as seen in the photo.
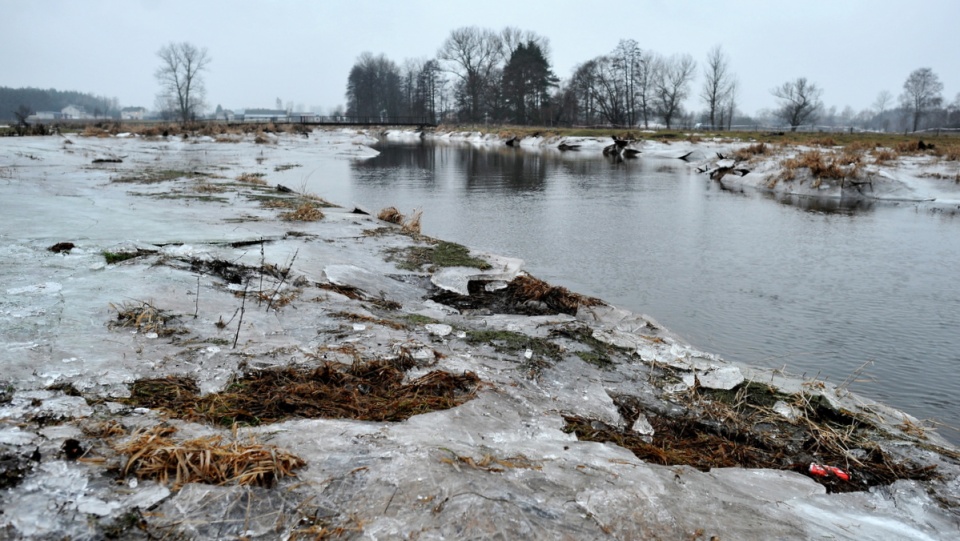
(234, 273)
(722, 429)
(61, 247)
(117, 257)
(153, 176)
(525, 295)
(367, 391)
(13, 468)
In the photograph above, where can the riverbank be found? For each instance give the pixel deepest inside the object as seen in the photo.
(216, 277)
(870, 167)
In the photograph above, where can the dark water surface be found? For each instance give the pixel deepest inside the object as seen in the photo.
(818, 288)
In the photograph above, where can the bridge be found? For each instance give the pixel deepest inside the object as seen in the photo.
(341, 120)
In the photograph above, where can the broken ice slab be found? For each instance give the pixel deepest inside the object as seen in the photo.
(438, 329)
(373, 285)
(723, 378)
(457, 279)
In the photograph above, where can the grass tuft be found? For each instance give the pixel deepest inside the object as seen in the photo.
(392, 215)
(154, 455)
(366, 391)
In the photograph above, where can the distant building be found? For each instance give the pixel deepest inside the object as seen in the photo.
(74, 111)
(264, 115)
(133, 113)
(45, 115)
(302, 117)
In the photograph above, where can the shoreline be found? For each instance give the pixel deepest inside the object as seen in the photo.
(825, 170)
(558, 373)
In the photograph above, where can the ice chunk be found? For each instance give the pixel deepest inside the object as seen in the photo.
(724, 378)
(642, 426)
(439, 329)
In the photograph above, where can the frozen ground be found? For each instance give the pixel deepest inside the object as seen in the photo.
(506, 464)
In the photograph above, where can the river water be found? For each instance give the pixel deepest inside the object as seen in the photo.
(865, 295)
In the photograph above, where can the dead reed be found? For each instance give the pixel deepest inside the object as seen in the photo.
(306, 212)
(152, 454)
(369, 391)
(525, 288)
(392, 215)
(412, 224)
(144, 317)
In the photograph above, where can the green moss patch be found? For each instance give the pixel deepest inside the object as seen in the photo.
(442, 254)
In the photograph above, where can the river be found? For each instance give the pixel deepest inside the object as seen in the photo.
(864, 295)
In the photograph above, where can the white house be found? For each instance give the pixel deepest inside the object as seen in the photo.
(74, 111)
(132, 113)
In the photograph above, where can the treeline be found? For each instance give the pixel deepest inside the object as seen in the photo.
(38, 99)
(485, 76)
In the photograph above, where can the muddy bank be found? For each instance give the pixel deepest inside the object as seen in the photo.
(216, 357)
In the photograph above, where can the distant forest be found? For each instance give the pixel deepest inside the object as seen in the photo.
(38, 99)
(482, 75)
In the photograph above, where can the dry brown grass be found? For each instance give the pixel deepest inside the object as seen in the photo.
(392, 215)
(203, 186)
(412, 224)
(748, 152)
(154, 455)
(526, 288)
(884, 155)
(103, 429)
(144, 317)
(722, 429)
(908, 147)
(252, 178)
(367, 391)
(490, 463)
(822, 165)
(949, 151)
(94, 131)
(306, 212)
(824, 142)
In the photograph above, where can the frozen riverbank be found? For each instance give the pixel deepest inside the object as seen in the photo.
(556, 371)
(907, 172)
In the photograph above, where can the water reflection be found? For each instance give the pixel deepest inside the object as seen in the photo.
(826, 205)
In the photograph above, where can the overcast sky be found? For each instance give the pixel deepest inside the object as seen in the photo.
(302, 51)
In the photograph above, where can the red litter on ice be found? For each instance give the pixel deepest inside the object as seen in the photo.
(820, 470)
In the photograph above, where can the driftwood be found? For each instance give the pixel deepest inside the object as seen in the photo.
(619, 149)
(722, 167)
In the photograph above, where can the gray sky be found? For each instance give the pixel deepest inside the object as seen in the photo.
(302, 51)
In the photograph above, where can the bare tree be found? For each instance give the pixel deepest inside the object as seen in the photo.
(883, 101)
(921, 91)
(717, 84)
(512, 37)
(181, 85)
(880, 106)
(800, 101)
(472, 55)
(672, 85)
(21, 113)
(628, 60)
(728, 106)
